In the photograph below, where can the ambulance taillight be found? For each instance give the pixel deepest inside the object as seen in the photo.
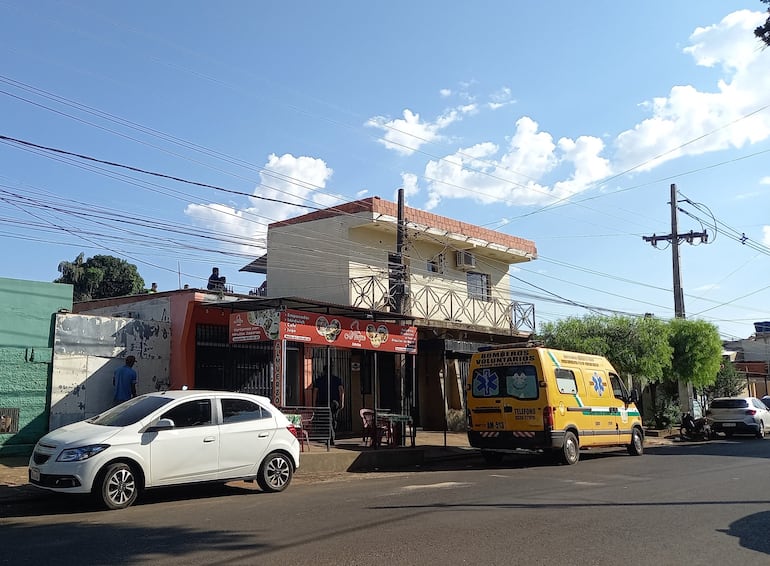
(547, 418)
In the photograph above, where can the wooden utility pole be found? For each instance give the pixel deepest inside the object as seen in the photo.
(685, 400)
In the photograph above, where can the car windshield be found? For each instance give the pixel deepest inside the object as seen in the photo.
(729, 404)
(131, 411)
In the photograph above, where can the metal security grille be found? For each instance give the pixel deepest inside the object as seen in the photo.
(222, 366)
(9, 420)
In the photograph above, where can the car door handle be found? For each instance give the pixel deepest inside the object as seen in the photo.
(210, 439)
(264, 434)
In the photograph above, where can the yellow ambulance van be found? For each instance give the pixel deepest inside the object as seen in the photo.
(536, 398)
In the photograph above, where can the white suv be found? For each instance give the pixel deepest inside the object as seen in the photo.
(168, 438)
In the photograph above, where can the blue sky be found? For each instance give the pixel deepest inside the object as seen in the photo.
(560, 122)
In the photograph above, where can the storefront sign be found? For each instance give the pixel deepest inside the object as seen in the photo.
(344, 332)
(323, 330)
(254, 326)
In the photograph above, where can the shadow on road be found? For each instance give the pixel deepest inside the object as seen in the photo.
(45, 503)
(751, 531)
(79, 542)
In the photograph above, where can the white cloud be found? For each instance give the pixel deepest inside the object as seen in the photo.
(408, 134)
(409, 184)
(691, 122)
(292, 183)
(445, 92)
(534, 170)
(764, 181)
(706, 288)
(477, 172)
(500, 98)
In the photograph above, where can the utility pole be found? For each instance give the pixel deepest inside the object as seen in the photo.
(685, 401)
(401, 301)
(400, 298)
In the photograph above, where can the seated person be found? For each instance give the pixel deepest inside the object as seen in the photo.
(216, 282)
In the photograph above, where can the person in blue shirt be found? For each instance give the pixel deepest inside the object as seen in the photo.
(124, 380)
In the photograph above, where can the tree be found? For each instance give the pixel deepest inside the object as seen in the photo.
(763, 31)
(697, 351)
(729, 383)
(100, 277)
(636, 347)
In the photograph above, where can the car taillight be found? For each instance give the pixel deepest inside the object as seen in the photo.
(293, 430)
(751, 412)
(547, 418)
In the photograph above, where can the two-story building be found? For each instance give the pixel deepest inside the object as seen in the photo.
(451, 277)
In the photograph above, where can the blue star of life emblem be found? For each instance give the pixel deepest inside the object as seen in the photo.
(487, 383)
(598, 385)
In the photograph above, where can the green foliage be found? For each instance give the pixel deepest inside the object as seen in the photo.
(100, 277)
(635, 346)
(697, 351)
(729, 383)
(763, 31)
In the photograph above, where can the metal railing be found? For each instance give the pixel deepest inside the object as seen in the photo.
(314, 424)
(446, 305)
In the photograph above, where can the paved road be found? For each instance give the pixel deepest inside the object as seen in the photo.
(683, 504)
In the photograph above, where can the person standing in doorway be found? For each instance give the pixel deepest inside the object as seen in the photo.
(124, 380)
(329, 392)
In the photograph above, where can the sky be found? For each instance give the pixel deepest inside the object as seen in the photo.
(170, 134)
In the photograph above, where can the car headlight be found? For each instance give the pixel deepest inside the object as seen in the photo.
(81, 453)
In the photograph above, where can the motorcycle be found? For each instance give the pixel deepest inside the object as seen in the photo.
(693, 429)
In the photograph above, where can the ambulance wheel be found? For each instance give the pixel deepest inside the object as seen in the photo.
(637, 443)
(492, 458)
(570, 450)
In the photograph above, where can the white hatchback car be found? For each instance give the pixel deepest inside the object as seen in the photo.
(168, 438)
(739, 415)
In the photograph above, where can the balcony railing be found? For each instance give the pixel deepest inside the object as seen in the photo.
(427, 302)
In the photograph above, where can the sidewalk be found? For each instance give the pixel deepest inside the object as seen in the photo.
(348, 455)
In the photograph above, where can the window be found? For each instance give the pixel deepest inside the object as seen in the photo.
(436, 264)
(521, 382)
(565, 381)
(240, 410)
(191, 413)
(507, 381)
(478, 286)
(618, 388)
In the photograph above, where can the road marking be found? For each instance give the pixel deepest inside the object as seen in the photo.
(442, 485)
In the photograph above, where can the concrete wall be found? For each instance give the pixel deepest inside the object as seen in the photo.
(27, 310)
(310, 260)
(87, 351)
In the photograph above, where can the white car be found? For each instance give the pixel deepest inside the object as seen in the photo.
(739, 415)
(168, 438)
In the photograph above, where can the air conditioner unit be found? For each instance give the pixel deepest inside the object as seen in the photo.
(466, 260)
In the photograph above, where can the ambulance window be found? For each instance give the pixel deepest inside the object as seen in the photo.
(486, 382)
(565, 381)
(618, 389)
(521, 382)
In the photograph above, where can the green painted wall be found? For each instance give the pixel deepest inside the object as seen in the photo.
(27, 310)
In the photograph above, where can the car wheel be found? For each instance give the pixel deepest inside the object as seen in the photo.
(761, 430)
(275, 472)
(636, 448)
(492, 458)
(117, 486)
(570, 450)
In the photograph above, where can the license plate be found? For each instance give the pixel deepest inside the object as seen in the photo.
(728, 425)
(34, 474)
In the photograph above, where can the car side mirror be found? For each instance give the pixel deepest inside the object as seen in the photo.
(162, 424)
(633, 396)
